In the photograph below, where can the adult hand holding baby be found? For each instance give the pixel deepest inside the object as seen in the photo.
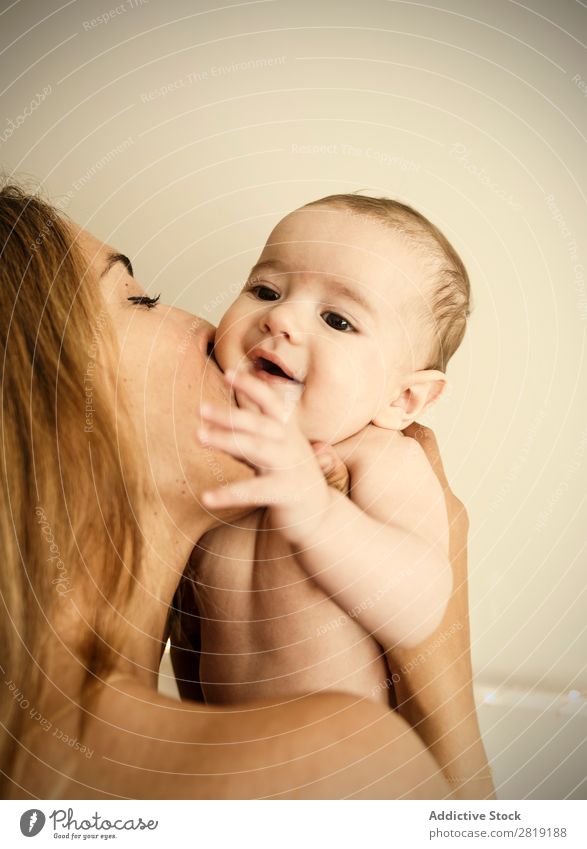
(441, 708)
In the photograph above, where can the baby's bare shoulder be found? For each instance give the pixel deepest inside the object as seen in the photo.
(373, 451)
(391, 477)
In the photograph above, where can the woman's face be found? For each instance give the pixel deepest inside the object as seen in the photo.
(164, 373)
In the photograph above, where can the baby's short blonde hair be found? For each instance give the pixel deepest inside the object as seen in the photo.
(450, 291)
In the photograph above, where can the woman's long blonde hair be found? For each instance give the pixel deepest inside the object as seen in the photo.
(65, 513)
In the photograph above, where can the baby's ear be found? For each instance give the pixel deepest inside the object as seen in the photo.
(425, 387)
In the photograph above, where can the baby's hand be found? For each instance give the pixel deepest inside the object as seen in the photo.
(288, 478)
(333, 468)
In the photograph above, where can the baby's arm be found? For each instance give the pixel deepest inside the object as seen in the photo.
(383, 555)
(383, 558)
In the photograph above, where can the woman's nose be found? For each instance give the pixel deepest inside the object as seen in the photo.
(281, 320)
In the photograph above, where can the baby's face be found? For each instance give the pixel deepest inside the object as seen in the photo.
(327, 318)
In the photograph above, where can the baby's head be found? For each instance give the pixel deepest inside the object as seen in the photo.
(355, 307)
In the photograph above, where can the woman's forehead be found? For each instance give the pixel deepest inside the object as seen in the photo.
(93, 249)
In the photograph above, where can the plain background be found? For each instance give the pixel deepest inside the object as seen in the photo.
(182, 131)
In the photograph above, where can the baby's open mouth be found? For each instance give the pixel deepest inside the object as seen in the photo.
(262, 364)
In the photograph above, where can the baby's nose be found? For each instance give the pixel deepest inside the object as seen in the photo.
(282, 320)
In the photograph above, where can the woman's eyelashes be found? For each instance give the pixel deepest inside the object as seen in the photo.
(145, 300)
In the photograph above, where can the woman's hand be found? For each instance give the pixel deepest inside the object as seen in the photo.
(433, 682)
(457, 513)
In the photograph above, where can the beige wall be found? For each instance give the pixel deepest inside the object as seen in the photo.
(181, 131)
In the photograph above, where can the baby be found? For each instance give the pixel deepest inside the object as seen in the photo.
(341, 335)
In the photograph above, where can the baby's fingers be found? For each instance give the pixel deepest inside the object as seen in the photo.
(257, 492)
(250, 448)
(333, 468)
(241, 421)
(259, 392)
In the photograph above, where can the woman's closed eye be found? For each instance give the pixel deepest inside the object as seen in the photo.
(337, 322)
(145, 300)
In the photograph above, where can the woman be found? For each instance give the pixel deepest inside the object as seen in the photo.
(101, 475)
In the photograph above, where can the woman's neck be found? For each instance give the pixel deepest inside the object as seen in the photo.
(136, 636)
(165, 555)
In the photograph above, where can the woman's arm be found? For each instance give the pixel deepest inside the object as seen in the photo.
(434, 681)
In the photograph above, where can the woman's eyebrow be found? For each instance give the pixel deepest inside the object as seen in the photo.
(113, 258)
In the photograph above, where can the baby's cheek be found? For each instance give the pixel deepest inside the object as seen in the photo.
(324, 419)
(222, 352)
(224, 337)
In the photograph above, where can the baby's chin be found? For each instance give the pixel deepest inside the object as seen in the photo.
(316, 428)
(320, 428)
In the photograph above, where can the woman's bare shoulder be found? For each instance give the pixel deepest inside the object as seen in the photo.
(332, 745)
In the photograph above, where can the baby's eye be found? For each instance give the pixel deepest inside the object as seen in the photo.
(264, 293)
(337, 322)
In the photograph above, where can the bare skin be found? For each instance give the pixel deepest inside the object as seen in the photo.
(265, 649)
(137, 743)
(433, 682)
